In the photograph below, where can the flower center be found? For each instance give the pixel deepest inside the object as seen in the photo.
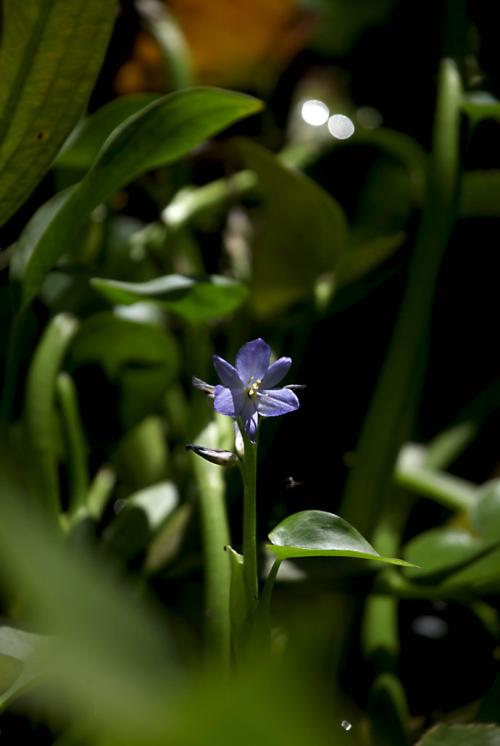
(252, 386)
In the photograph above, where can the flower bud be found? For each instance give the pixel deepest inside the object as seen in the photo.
(214, 455)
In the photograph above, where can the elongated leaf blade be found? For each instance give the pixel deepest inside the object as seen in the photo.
(51, 53)
(195, 299)
(316, 533)
(160, 133)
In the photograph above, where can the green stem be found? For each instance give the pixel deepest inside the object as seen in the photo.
(394, 406)
(215, 535)
(76, 448)
(249, 470)
(413, 473)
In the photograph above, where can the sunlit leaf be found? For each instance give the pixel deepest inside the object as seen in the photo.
(315, 533)
(52, 51)
(194, 298)
(160, 133)
(480, 105)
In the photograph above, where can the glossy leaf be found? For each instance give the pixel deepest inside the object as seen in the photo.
(52, 51)
(160, 133)
(302, 235)
(461, 735)
(83, 145)
(195, 299)
(315, 533)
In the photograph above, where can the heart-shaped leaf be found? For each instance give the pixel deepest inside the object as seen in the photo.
(316, 533)
(195, 299)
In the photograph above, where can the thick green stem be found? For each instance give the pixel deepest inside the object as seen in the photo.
(250, 521)
(215, 534)
(76, 447)
(393, 410)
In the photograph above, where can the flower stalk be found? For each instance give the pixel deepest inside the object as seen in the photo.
(249, 473)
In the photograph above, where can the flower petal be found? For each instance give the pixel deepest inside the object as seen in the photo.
(227, 373)
(276, 372)
(224, 402)
(253, 360)
(250, 416)
(276, 402)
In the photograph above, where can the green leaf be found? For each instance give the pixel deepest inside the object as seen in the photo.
(442, 553)
(194, 298)
(302, 235)
(84, 143)
(480, 194)
(18, 669)
(481, 105)
(486, 513)
(461, 735)
(315, 533)
(238, 601)
(160, 133)
(51, 53)
(360, 259)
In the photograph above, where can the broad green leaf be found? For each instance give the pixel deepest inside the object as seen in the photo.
(160, 133)
(141, 359)
(441, 553)
(480, 194)
(51, 53)
(84, 143)
(315, 533)
(196, 299)
(486, 513)
(18, 668)
(461, 735)
(302, 234)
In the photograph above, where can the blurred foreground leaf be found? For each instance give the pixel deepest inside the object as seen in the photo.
(17, 647)
(160, 133)
(196, 299)
(105, 651)
(315, 533)
(51, 53)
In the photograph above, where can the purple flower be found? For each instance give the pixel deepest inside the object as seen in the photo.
(246, 389)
